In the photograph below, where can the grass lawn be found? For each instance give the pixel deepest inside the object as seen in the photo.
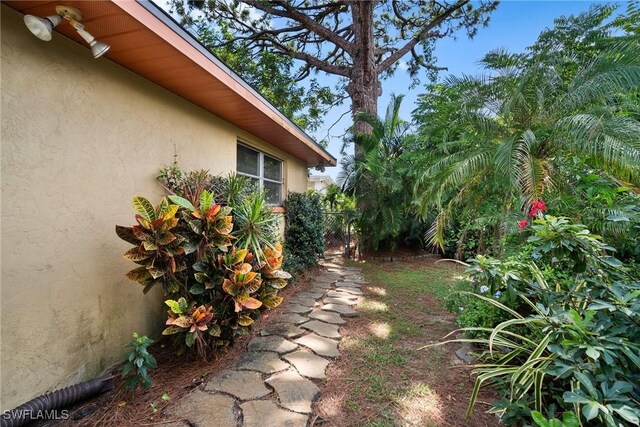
(382, 379)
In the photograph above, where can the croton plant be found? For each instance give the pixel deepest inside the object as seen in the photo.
(214, 290)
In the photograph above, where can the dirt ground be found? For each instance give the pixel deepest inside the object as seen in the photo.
(176, 376)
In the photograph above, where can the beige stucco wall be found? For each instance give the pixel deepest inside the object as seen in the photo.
(80, 137)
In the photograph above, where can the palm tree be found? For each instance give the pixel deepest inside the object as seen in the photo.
(378, 180)
(519, 125)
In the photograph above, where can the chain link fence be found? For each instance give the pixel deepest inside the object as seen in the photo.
(339, 236)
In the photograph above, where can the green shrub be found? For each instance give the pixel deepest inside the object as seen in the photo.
(472, 312)
(135, 371)
(304, 232)
(228, 190)
(573, 343)
(214, 290)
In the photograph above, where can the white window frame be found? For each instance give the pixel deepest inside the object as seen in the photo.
(261, 179)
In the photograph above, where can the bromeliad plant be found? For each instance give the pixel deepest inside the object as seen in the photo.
(214, 289)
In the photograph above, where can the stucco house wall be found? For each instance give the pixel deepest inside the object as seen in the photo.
(80, 137)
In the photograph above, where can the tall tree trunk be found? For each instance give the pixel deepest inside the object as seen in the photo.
(364, 87)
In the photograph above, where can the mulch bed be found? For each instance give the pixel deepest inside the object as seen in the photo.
(175, 375)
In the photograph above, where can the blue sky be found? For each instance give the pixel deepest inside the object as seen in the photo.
(514, 25)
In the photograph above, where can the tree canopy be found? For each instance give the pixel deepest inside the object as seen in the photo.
(358, 41)
(496, 144)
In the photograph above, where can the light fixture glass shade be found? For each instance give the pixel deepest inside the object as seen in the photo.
(98, 48)
(42, 28)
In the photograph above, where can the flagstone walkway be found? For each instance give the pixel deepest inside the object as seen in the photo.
(274, 383)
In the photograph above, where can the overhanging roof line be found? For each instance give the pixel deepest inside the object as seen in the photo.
(170, 23)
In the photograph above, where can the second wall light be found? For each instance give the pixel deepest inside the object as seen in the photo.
(43, 27)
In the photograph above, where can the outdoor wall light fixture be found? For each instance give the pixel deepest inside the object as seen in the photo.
(42, 28)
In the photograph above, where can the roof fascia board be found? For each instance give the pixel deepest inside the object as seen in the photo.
(149, 15)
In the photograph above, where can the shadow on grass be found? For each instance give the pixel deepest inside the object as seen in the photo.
(382, 379)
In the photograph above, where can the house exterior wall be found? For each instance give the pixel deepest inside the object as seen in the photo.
(81, 137)
(319, 183)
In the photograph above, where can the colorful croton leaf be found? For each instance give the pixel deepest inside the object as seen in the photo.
(214, 289)
(271, 268)
(210, 222)
(241, 283)
(190, 319)
(157, 248)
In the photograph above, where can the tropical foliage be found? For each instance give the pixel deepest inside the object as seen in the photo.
(379, 180)
(214, 289)
(542, 125)
(304, 233)
(569, 341)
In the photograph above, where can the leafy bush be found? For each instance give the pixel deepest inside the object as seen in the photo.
(214, 289)
(230, 190)
(574, 343)
(473, 312)
(139, 362)
(304, 233)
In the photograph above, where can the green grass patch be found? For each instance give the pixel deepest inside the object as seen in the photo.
(399, 314)
(439, 282)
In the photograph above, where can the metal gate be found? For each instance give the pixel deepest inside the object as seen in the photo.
(339, 236)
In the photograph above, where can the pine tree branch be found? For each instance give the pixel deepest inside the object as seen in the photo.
(290, 12)
(422, 34)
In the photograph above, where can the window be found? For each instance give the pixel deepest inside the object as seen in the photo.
(265, 171)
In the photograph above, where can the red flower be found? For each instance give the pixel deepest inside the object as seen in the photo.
(537, 206)
(523, 223)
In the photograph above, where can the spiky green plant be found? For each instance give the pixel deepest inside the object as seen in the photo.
(255, 223)
(516, 127)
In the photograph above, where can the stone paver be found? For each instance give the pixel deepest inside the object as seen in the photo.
(349, 284)
(273, 343)
(304, 301)
(325, 329)
(245, 385)
(266, 362)
(286, 330)
(294, 318)
(321, 286)
(343, 309)
(328, 317)
(343, 301)
(357, 280)
(308, 364)
(295, 392)
(277, 353)
(262, 413)
(297, 308)
(327, 278)
(348, 290)
(340, 294)
(320, 345)
(312, 294)
(203, 410)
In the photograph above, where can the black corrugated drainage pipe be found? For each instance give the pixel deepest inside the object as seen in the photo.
(42, 407)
